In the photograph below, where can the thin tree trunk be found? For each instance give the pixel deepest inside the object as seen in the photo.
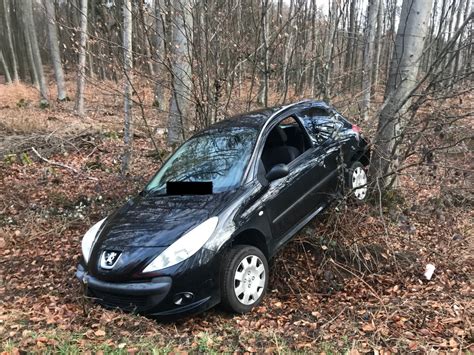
(409, 44)
(11, 48)
(466, 59)
(369, 57)
(262, 97)
(377, 47)
(54, 48)
(31, 60)
(391, 38)
(181, 71)
(127, 68)
(329, 48)
(5, 68)
(31, 32)
(160, 55)
(81, 68)
(351, 38)
(456, 54)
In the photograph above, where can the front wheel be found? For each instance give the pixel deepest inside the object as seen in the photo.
(244, 278)
(357, 181)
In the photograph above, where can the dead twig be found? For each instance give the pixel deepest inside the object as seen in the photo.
(61, 165)
(365, 283)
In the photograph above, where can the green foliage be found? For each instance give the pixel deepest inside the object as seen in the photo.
(205, 343)
(9, 159)
(25, 158)
(22, 103)
(111, 135)
(44, 104)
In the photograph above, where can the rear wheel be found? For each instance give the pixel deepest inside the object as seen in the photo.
(244, 278)
(357, 181)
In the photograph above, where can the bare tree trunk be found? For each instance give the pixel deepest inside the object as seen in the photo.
(181, 71)
(409, 44)
(329, 48)
(5, 68)
(31, 59)
(54, 48)
(81, 68)
(351, 38)
(127, 68)
(466, 59)
(11, 48)
(160, 55)
(377, 46)
(456, 54)
(262, 98)
(31, 33)
(369, 57)
(390, 38)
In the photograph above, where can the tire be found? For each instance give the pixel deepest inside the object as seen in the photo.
(250, 265)
(357, 176)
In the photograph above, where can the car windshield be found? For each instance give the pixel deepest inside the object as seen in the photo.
(219, 156)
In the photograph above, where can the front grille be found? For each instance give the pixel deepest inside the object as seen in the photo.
(125, 302)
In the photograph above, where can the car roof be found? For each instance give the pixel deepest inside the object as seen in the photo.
(257, 119)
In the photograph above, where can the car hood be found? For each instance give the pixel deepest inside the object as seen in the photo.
(158, 221)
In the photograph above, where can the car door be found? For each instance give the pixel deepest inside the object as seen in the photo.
(294, 199)
(323, 129)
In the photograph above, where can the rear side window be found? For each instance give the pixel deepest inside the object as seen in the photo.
(320, 123)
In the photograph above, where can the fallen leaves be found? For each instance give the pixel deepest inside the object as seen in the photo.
(368, 327)
(99, 333)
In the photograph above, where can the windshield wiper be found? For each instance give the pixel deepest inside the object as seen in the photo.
(154, 190)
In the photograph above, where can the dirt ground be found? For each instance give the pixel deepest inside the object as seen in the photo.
(351, 281)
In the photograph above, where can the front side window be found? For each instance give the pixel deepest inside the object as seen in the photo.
(219, 156)
(284, 143)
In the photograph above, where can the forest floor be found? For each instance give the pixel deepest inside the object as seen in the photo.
(351, 281)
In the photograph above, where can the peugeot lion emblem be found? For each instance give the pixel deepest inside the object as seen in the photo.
(109, 259)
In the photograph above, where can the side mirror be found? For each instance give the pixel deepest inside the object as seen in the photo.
(277, 172)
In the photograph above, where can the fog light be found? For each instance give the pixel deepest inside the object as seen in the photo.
(183, 298)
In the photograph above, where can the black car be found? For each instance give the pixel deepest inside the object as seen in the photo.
(204, 228)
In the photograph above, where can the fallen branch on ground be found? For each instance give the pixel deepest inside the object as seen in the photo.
(61, 165)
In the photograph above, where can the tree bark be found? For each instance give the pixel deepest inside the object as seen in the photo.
(262, 97)
(127, 68)
(329, 48)
(351, 38)
(11, 48)
(369, 57)
(181, 71)
(81, 68)
(8, 78)
(377, 46)
(31, 33)
(409, 45)
(456, 54)
(160, 55)
(54, 48)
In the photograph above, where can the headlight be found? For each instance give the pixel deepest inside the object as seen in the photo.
(184, 247)
(88, 240)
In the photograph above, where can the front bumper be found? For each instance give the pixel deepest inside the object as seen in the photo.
(157, 296)
(132, 296)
